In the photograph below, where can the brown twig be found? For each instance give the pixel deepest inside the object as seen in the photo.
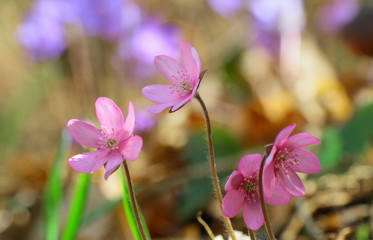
(214, 175)
(133, 201)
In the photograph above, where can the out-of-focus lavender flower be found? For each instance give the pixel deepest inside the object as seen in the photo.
(150, 39)
(42, 32)
(105, 18)
(145, 121)
(225, 8)
(336, 13)
(271, 19)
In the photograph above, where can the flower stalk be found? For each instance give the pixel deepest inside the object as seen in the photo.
(251, 234)
(214, 175)
(262, 202)
(133, 201)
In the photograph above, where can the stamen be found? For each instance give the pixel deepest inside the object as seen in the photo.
(107, 140)
(182, 83)
(284, 159)
(248, 188)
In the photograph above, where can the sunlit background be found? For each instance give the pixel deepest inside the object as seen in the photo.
(269, 63)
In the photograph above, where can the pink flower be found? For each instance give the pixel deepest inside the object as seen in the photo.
(285, 159)
(114, 143)
(243, 192)
(184, 79)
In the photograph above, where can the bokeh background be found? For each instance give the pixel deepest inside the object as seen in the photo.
(270, 63)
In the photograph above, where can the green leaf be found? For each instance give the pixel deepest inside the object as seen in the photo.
(356, 133)
(54, 190)
(225, 144)
(362, 232)
(78, 203)
(196, 195)
(100, 211)
(128, 211)
(332, 148)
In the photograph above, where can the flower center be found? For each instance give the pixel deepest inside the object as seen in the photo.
(111, 143)
(182, 83)
(108, 140)
(248, 187)
(284, 159)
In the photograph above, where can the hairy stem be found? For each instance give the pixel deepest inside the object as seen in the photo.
(262, 203)
(214, 175)
(133, 201)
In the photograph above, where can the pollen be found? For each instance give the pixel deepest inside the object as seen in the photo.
(250, 186)
(111, 143)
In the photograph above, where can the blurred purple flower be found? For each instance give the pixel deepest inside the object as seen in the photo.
(145, 121)
(150, 39)
(336, 13)
(42, 33)
(105, 18)
(225, 8)
(273, 18)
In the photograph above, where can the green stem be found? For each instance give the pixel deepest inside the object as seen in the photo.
(53, 192)
(78, 206)
(133, 201)
(214, 174)
(262, 202)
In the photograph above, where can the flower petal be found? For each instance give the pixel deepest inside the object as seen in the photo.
(253, 215)
(232, 203)
(291, 182)
(180, 103)
(249, 164)
(129, 124)
(283, 135)
(131, 148)
(308, 162)
(88, 162)
(84, 133)
(233, 181)
(160, 93)
(301, 140)
(114, 161)
(191, 60)
(159, 107)
(268, 179)
(279, 196)
(168, 67)
(109, 114)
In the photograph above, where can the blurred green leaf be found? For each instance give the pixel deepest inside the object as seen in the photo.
(78, 204)
(332, 148)
(200, 191)
(100, 211)
(54, 190)
(233, 79)
(128, 211)
(362, 232)
(22, 103)
(356, 133)
(225, 144)
(195, 196)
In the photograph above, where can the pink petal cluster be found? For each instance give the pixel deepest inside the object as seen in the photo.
(114, 142)
(243, 192)
(280, 181)
(285, 159)
(184, 79)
